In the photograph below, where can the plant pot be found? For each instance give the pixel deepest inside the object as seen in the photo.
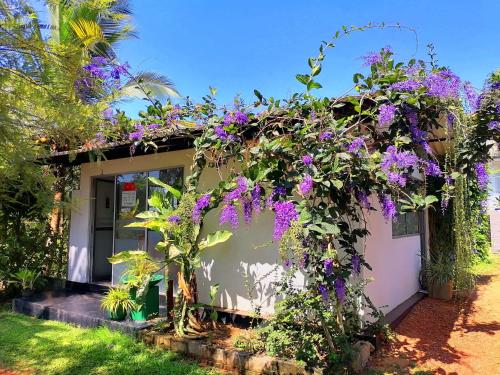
(151, 305)
(119, 314)
(441, 291)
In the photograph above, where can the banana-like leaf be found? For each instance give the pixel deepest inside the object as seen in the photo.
(148, 215)
(127, 256)
(176, 193)
(215, 238)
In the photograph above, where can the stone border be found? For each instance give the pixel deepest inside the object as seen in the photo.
(234, 361)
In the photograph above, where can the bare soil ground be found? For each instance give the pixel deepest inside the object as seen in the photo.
(459, 337)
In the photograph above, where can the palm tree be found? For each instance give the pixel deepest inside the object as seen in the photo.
(93, 30)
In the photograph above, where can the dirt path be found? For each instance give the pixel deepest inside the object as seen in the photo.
(461, 338)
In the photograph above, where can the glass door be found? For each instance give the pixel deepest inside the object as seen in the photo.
(131, 197)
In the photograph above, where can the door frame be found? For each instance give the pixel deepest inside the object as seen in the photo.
(93, 224)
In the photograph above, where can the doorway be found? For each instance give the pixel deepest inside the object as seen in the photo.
(103, 229)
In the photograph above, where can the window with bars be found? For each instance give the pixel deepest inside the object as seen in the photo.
(406, 224)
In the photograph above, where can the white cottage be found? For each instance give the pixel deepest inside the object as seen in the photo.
(246, 265)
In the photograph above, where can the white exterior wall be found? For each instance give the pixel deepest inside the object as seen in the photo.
(494, 206)
(250, 250)
(395, 263)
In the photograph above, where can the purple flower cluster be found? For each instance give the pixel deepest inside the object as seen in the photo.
(107, 113)
(388, 207)
(408, 85)
(442, 84)
(285, 214)
(325, 136)
(247, 210)
(236, 117)
(153, 126)
(306, 185)
(356, 263)
(432, 169)
(224, 135)
(339, 285)
(481, 175)
(256, 198)
(386, 115)
(175, 219)
(202, 203)
(471, 96)
(494, 125)
(229, 214)
(137, 134)
(417, 135)
(356, 145)
(307, 160)
(373, 58)
(236, 193)
(323, 290)
(393, 161)
(362, 198)
(328, 266)
(280, 190)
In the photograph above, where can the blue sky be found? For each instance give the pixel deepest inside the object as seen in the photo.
(238, 46)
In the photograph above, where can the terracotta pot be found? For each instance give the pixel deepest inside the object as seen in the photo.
(441, 291)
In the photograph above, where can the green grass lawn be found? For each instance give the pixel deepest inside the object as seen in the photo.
(48, 347)
(489, 267)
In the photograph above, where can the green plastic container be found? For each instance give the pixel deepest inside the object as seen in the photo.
(119, 314)
(151, 306)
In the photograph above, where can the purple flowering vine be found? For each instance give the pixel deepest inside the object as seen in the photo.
(408, 85)
(325, 136)
(306, 185)
(356, 263)
(442, 84)
(388, 207)
(339, 285)
(362, 198)
(356, 145)
(202, 203)
(432, 169)
(307, 160)
(386, 115)
(229, 214)
(236, 117)
(328, 266)
(175, 219)
(284, 215)
(481, 175)
(323, 291)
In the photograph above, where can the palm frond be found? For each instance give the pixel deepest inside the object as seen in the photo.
(88, 32)
(150, 84)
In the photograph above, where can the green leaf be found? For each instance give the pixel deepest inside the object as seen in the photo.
(215, 238)
(176, 193)
(316, 70)
(127, 256)
(313, 85)
(331, 228)
(147, 215)
(302, 78)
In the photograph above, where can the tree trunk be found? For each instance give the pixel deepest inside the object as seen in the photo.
(55, 220)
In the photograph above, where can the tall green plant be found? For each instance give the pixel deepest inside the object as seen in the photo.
(181, 243)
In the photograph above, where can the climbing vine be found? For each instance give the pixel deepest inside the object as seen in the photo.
(322, 165)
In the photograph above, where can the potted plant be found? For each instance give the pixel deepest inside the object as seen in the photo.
(439, 273)
(141, 282)
(27, 280)
(117, 303)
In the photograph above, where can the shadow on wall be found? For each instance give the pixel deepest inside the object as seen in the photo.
(247, 266)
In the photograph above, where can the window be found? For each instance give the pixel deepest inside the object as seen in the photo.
(406, 224)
